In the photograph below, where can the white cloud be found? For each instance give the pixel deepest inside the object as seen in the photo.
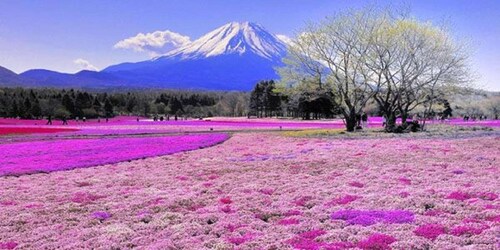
(85, 65)
(155, 43)
(286, 39)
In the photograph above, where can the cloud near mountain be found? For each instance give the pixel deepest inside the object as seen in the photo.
(155, 43)
(85, 65)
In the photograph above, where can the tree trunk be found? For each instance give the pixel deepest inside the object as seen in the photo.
(350, 122)
(390, 122)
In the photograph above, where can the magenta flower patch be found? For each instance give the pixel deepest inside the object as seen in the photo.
(344, 200)
(377, 241)
(287, 222)
(467, 230)
(226, 200)
(8, 245)
(430, 231)
(54, 155)
(370, 217)
(460, 196)
(101, 215)
(356, 184)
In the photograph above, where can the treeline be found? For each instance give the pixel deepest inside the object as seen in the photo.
(267, 101)
(37, 103)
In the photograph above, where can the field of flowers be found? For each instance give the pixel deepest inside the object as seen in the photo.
(259, 190)
(54, 155)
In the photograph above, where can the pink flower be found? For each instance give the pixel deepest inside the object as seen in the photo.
(344, 200)
(226, 200)
(404, 194)
(8, 245)
(430, 231)
(467, 230)
(267, 191)
(85, 198)
(457, 195)
(356, 184)
(101, 215)
(405, 181)
(488, 196)
(313, 234)
(377, 241)
(286, 222)
(226, 209)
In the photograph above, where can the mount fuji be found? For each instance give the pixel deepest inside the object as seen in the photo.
(232, 57)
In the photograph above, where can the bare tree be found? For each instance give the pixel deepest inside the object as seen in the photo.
(332, 54)
(415, 64)
(398, 61)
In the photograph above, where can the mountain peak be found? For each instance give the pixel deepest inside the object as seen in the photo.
(233, 38)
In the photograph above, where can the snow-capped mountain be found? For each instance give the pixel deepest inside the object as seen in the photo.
(233, 38)
(232, 57)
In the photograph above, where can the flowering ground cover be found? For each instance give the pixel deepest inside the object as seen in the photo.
(268, 191)
(32, 130)
(53, 155)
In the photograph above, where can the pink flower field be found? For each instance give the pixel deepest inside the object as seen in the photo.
(255, 190)
(54, 155)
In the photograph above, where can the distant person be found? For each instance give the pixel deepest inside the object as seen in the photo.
(98, 120)
(175, 117)
(77, 119)
(137, 119)
(64, 121)
(161, 118)
(84, 119)
(364, 119)
(107, 119)
(168, 117)
(49, 120)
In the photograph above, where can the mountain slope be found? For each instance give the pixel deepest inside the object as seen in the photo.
(232, 57)
(82, 79)
(9, 78)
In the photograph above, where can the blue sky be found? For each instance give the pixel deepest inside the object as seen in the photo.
(53, 34)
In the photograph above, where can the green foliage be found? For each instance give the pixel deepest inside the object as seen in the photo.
(36, 103)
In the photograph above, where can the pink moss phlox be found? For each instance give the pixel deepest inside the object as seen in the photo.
(312, 234)
(404, 180)
(238, 240)
(226, 209)
(430, 231)
(404, 194)
(487, 196)
(286, 222)
(225, 200)
(267, 191)
(292, 213)
(467, 230)
(101, 215)
(8, 203)
(182, 178)
(458, 195)
(370, 217)
(343, 200)
(377, 241)
(302, 201)
(356, 184)
(85, 198)
(8, 245)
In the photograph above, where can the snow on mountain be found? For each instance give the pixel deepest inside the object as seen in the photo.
(232, 38)
(232, 57)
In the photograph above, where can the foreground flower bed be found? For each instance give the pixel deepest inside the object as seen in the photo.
(54, 155)
(265, 191)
